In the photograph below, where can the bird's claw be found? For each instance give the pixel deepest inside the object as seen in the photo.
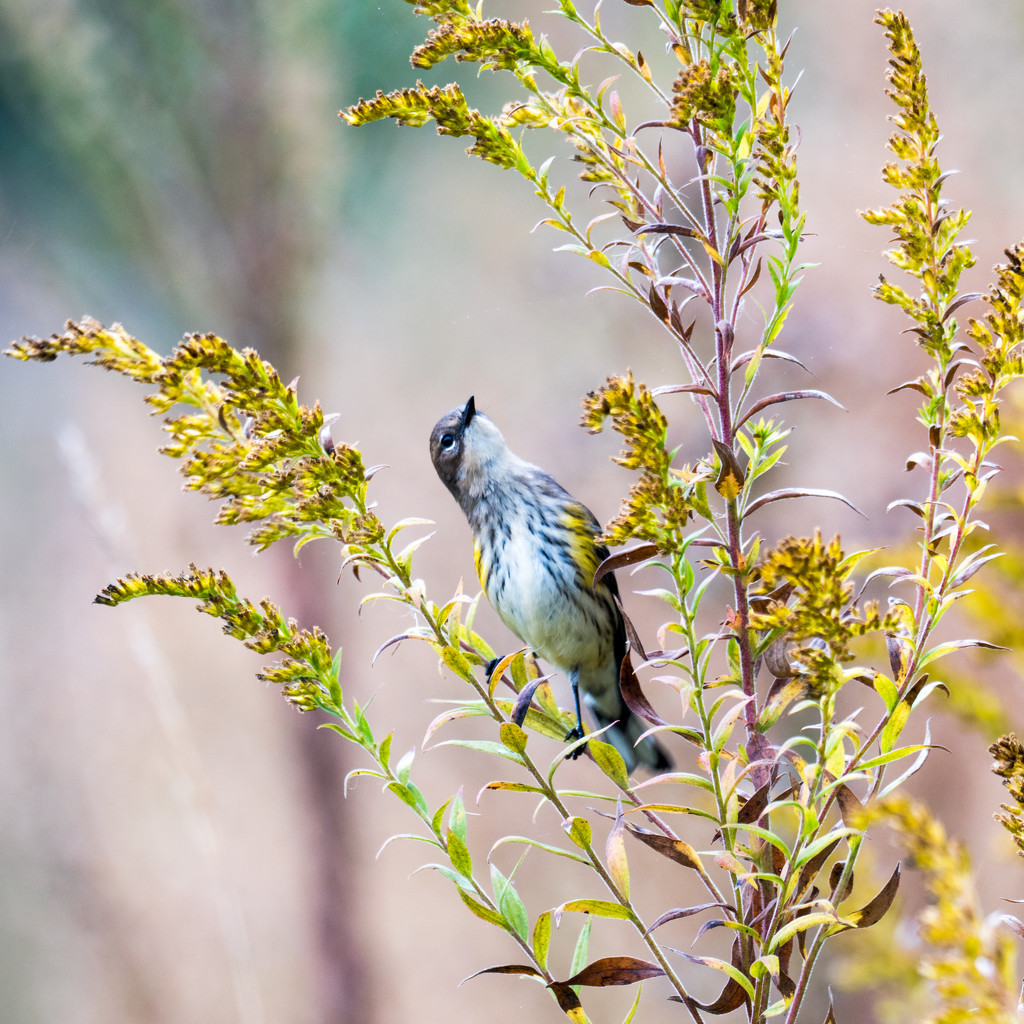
(575, 733)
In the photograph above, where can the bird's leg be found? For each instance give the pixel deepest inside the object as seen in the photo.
(576, 733)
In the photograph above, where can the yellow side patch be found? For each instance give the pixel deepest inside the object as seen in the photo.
(483, 570)
(582, 549)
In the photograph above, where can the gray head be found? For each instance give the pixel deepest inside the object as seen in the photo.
(466, 448)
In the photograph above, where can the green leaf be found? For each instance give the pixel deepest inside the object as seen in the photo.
(894, 726)
(410, 795)
(542, 939)
(582, 950)
(509, 903)
(435, 821)
(579, 831)
(802, 924)
(610, 761)
(886, 689)
(483, 747)
(768, 964)
(513, 737)
(512, 787)
(458, 663)
(720, 965)
(599, 908)
(558, 851)
(636, 1005)
(384, 753)
(361, 771)
(404, 766)
(458, 854)
(941, 650)
(483, 912)
(457, 815)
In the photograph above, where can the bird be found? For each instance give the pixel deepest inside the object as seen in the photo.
(536, 550)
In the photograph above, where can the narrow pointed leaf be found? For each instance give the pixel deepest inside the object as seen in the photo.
(641, 553)
(615, 855)
(629, 686)
(513, 787)
(719, 965)
(680, 912)
(599, 908)
(525, 969)
(786, 396)
(542, 939)
(558, 851)
(797, 492)
(483, 912)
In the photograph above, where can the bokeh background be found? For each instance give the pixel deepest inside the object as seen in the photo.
(174, 841)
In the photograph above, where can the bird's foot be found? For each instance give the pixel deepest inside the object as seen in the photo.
(576, 733)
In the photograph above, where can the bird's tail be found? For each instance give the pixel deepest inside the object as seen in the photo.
(624, 733)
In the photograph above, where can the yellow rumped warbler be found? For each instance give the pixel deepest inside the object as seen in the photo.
(536, 551)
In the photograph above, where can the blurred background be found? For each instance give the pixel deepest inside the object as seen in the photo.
(174, 841)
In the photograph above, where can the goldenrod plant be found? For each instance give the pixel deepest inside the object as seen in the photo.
(695, 203)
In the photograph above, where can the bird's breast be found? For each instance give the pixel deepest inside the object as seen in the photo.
(533, 577)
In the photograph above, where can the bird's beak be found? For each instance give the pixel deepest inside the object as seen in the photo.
(468, 412)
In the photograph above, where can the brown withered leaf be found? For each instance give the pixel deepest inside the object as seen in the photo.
(850, 808)
(634, 697)
(776, 658)
(680, 912)
(786, 984)
(730, 998)
(899, 656)
(918, 384)
(615, 970)
(623, 558)
(505, 969)
(810, 870)
(782, 693)
(708, 926)
(692, 389)
(568, 1002)
(678, 850)
(778, 859)
(786, 396)
(834, 877)
(874, 910)
(731, 476)
(798, 492)
(957, 302)
(657, 303)
(523, 699)
(753, 807)
(830, 1017)
(632, 636)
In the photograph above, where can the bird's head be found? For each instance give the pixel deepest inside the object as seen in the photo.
(466, 447)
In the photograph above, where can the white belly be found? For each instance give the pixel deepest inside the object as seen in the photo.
(541, 600)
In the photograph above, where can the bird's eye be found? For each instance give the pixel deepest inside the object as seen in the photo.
(448, 442)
